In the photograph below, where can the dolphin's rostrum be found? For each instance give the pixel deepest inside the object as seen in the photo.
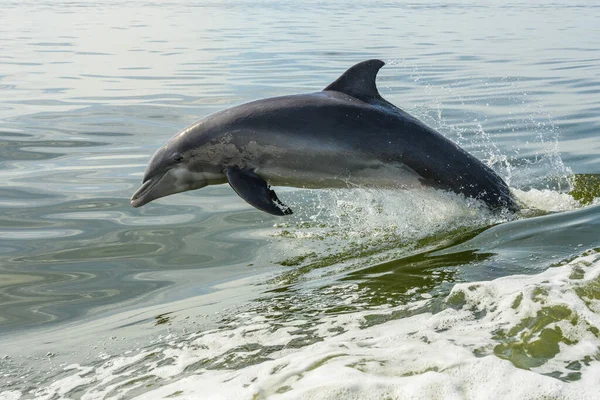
(346, 135)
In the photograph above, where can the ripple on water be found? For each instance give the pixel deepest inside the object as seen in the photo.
(81, 116)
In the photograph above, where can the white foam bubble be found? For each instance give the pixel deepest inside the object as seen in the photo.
(332, 221)
(547, 200)
(507, 338)
(10, 395)
(444, 355)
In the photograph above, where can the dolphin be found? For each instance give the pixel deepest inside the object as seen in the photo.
(343, 136)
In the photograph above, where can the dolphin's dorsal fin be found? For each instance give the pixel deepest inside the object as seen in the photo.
(359, 81)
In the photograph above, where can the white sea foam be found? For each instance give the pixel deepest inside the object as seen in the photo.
(481, 345)
(10, 395)
(547, 200)
(333, 218)
(521, 337)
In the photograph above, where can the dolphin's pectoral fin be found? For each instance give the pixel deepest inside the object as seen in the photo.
(255, 191)
(359, 81)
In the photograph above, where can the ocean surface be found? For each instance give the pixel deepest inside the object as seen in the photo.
(362, 293)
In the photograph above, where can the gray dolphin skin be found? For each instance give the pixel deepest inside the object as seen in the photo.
(344, 136)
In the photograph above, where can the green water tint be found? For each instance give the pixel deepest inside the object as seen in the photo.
(387, 249)
(162, 318)
(369, 275)
(350, 281)
(585, 187)
(416, 271)
(535, 340)
(590, 291)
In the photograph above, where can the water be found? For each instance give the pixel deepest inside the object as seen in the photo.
(361, 293)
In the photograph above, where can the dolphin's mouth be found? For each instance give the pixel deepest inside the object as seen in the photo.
(142, 196)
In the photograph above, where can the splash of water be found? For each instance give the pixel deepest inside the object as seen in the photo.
(526, 121)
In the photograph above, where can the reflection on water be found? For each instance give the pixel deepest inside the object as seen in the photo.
(89, 91)
(98, 299)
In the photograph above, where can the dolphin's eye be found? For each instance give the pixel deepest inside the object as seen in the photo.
(178, 158)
